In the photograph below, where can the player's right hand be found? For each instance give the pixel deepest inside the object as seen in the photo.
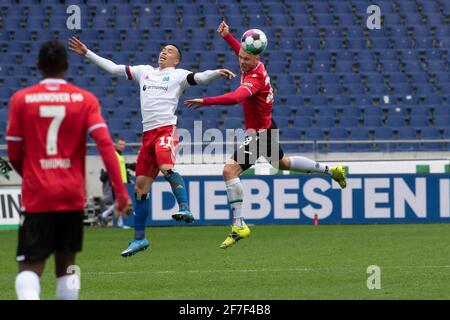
(223, 29)
(227, 73)
(123, 206)
(77, 46)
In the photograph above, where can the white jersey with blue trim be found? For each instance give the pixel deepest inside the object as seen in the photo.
(160, 90)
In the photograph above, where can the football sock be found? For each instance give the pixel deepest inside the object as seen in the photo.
(303, 164)
(141, 211)
(108, 211)
(178, 188)
(235, 193)
(28, 286)
(68, 287)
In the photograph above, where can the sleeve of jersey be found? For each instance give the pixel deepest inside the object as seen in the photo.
(99, 132)
(233, 43)
(14, 135)
(229, 98)
(133, 72)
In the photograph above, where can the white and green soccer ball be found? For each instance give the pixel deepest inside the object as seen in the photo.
(254, 41)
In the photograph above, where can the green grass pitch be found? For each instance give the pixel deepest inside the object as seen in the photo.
(276, 262)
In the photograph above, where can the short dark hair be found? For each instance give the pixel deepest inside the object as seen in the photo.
(53, 58)
(178, 48)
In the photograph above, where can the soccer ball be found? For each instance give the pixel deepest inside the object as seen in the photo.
(254, 41)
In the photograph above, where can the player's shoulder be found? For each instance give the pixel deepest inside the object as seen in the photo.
(261, 69)
(182, 72)
(20, 94)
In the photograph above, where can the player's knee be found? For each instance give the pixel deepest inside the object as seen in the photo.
(167, 172)
(284, 164)
(229, 172)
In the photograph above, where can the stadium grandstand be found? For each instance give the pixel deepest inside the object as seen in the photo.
(335, 80)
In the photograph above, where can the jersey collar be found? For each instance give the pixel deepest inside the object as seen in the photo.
(53, 81)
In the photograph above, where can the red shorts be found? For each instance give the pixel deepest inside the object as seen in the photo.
(158, 148)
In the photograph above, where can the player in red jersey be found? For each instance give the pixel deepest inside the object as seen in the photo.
(46, 138)
(256, 95)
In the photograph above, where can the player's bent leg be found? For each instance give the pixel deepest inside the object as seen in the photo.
(235, 194)
(303, 164)
(68, 279)
(141, 212)
(179, 191)
(27, 282)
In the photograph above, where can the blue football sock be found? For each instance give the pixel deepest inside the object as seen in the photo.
(141, 211)
(178, 188)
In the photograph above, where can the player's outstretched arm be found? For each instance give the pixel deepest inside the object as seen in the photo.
(224, 31)
(209, 76)
(79, 47)
(230, 98)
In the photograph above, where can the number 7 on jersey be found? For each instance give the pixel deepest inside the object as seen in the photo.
(57, 113)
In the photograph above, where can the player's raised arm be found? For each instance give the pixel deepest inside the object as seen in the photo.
(208, 76)
(79, 47)
(224, 31)
(234, 97)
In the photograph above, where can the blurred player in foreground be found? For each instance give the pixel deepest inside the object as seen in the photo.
(256, 95)
(46, 138)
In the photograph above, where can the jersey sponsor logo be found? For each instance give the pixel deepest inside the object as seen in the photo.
(254, 75)
(146, 87)
(248, 84)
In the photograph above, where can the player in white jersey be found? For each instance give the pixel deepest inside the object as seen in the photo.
(160, 90)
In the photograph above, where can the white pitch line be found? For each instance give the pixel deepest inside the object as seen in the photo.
(306, 269)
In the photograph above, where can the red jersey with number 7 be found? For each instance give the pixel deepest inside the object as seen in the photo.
(52, 119)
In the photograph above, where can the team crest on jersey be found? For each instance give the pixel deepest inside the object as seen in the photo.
(166, 78)
(254, 75)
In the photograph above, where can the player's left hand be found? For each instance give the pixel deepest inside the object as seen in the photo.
(194, 103)
(227, 73)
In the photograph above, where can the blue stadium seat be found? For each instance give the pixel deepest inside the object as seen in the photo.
(290, 134)
(281, 111)
(395, 121)
(301, 20)
(344, 66)
(372, 121)
(442, 120)
(320, 67)
(297, 8)
(419, 77)
(419, 111)
(325, 122)
(406, 133)
(355, 88)
(374, 78)
(429, 133)
(383, 133)
(294, 101)
(313, 134)
(305, 112)
(418, 121)
(354, 32)
(303, 121)
(402, 88)
(349, 122)
(234, 112)
(213, 113)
